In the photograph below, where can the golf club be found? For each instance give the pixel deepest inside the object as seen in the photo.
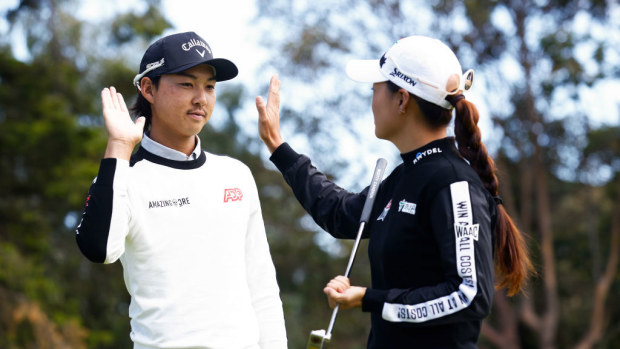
(318, 337)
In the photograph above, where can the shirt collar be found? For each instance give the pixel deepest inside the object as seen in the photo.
(429, 150)
(168, 153)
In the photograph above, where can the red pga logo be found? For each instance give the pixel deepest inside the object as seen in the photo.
(233, 194)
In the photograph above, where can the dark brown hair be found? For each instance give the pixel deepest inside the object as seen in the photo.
(512, 261)
(142, 107)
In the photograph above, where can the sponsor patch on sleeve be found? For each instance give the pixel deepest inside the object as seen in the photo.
(466, 231)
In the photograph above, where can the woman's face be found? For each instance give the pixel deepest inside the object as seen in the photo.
(385, 104)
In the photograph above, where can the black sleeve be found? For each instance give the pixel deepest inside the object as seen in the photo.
(93, 230)
(334, 209)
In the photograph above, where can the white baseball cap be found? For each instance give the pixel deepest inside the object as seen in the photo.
(420, 65)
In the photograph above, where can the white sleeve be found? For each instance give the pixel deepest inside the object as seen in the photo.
(105, 221)
(261, 276)
(119, 221)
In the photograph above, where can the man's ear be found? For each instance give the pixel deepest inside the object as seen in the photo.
(146, 88)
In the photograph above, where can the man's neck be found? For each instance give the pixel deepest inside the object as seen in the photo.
(184, 145)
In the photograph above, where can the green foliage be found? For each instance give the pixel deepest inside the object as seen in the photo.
(151, 23)
(22, 274)
(51, 144)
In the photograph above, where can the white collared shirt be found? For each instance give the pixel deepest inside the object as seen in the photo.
(161, 150)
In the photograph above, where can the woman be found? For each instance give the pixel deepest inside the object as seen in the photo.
(438, 223)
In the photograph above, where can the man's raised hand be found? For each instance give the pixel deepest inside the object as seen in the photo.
(123, 133)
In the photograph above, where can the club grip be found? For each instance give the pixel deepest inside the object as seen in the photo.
(372, 192)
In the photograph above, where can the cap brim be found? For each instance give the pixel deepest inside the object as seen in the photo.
(224, 69)
(365, 71)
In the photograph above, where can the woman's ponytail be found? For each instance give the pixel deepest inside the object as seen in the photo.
(511, 256)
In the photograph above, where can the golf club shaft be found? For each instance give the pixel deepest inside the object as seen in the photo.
(346, 274)
(366, 210)
(370, 199)
(354, 250)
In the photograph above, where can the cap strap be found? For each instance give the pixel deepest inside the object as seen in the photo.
(149, 67)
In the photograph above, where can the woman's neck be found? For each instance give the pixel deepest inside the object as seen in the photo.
(415, 135)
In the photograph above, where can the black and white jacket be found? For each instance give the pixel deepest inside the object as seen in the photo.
(430, 247)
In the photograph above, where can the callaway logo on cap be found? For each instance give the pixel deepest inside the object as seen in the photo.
(178, 52)
(420, 65)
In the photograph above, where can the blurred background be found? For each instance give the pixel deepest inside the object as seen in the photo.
(547, 85)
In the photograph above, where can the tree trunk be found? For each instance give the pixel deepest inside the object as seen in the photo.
(507, 336)
(549, 319)
(601, 289)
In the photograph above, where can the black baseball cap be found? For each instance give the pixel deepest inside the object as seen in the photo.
(178, 52)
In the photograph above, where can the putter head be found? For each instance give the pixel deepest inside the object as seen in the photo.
(317, 338)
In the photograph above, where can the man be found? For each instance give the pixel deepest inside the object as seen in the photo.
(185, 224)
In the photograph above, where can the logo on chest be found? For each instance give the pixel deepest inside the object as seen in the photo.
(233, 194)
(406, 207)
(177, 202)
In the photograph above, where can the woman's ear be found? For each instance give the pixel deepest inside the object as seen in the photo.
(405, 98)
(146, 88)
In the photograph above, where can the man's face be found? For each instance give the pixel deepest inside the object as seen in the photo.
(182, 104)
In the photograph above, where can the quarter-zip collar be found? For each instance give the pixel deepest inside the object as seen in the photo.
(431, 149)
